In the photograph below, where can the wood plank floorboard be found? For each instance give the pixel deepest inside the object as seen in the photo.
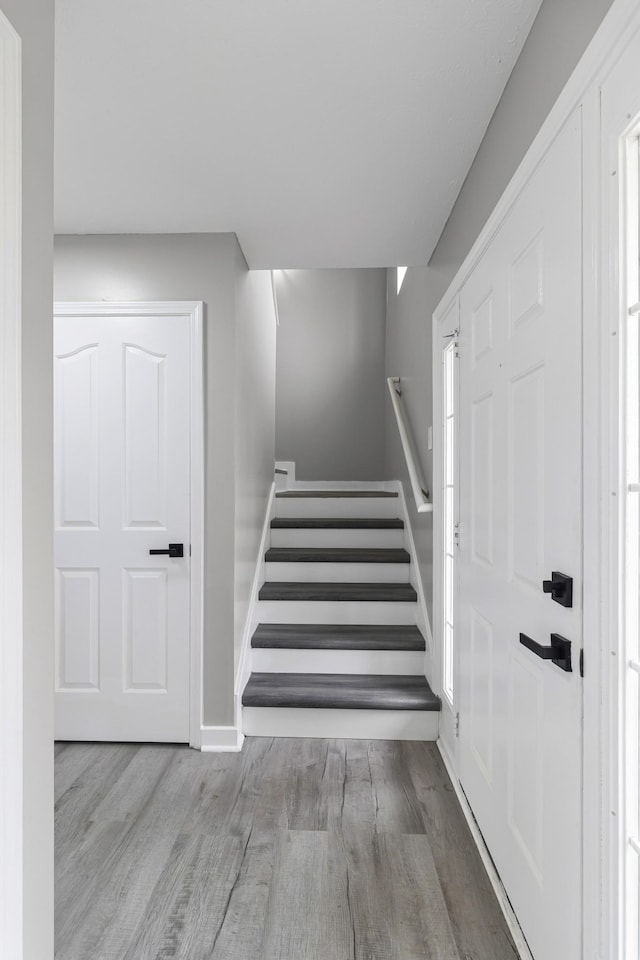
(292, 849)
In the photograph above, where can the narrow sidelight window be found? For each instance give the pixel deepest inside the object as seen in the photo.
(630, 539)
(450, 517)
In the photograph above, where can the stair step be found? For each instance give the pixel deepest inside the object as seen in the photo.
(335, 724)
(337, 523)
(331, 504)
(361, 533)
(365, 662)
(339, 691)
(333, 494)
(376, 592)
(336, 555)
(325, 636)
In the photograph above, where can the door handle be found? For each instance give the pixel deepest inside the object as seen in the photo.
(175, 550)
(559, 652)
(560, 587)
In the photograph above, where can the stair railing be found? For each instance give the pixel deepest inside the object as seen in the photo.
(418, 485)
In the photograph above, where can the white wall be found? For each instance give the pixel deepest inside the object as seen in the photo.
(556, 42)
(207, 267)
(330, 390)
(33, 20)
(255, 426)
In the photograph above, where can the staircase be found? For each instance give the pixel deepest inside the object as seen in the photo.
(337, 651)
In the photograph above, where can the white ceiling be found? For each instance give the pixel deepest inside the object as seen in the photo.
(325, 133)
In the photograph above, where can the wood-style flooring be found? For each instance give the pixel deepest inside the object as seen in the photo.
(290, 850)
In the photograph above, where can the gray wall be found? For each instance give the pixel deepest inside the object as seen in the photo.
(255, 384)
(206, 267)
(330, 373)
(560, 34)
(33, 20)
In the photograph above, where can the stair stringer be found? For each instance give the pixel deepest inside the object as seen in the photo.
(422, 620)
(243, 671)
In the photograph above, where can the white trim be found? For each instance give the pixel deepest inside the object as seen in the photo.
(220, 739)
(449, 321)
(193, 309)
(327, 723)
(416, 581)
(196, 706)
(11, 640)
(494, 877)
(244, 662)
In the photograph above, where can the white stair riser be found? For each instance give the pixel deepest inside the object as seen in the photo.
(336, 611)
(337, 538)
(338, 572)
(337, 507)
(336, 724)
(381, 662)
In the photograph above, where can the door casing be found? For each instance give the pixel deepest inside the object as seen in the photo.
(194, 311)
(12, 822)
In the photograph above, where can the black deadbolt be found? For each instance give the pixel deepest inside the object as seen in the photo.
(560, 587)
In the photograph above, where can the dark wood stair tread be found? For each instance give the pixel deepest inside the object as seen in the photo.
(285, 590)
(324, 636)
(336, 523)
(339, 691)
(333, 494)
(336, 555)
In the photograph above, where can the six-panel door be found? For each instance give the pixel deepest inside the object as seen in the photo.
(519, 749)
(122, 487)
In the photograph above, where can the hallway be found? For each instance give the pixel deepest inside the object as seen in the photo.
(290, 850)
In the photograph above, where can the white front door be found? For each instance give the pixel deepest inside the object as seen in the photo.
(520, 729)
(122, 489)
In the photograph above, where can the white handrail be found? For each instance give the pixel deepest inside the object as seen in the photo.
(419, 487)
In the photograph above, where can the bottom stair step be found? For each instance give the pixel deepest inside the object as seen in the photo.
(339, 691)
(323, 724)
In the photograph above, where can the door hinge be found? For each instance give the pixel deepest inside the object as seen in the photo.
(456, 726)
(582, 663)
(456, 534)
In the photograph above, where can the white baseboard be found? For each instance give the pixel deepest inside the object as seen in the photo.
(501, 894)
(221, 739)
(244, 662)
(416, 581)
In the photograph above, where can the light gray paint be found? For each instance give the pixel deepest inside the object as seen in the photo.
(254, 426)
(324, 134)
(33, 19)
(556, 42)
(330, 373)
(204, 267)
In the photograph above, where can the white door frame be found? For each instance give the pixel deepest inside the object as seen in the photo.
(449, 321)
(194, 310)
(11, 638)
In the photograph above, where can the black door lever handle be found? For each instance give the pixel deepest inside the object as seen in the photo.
(175, 550)
(559, 652)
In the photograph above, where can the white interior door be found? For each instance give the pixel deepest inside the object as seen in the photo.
(520, 731)
(122, 489)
